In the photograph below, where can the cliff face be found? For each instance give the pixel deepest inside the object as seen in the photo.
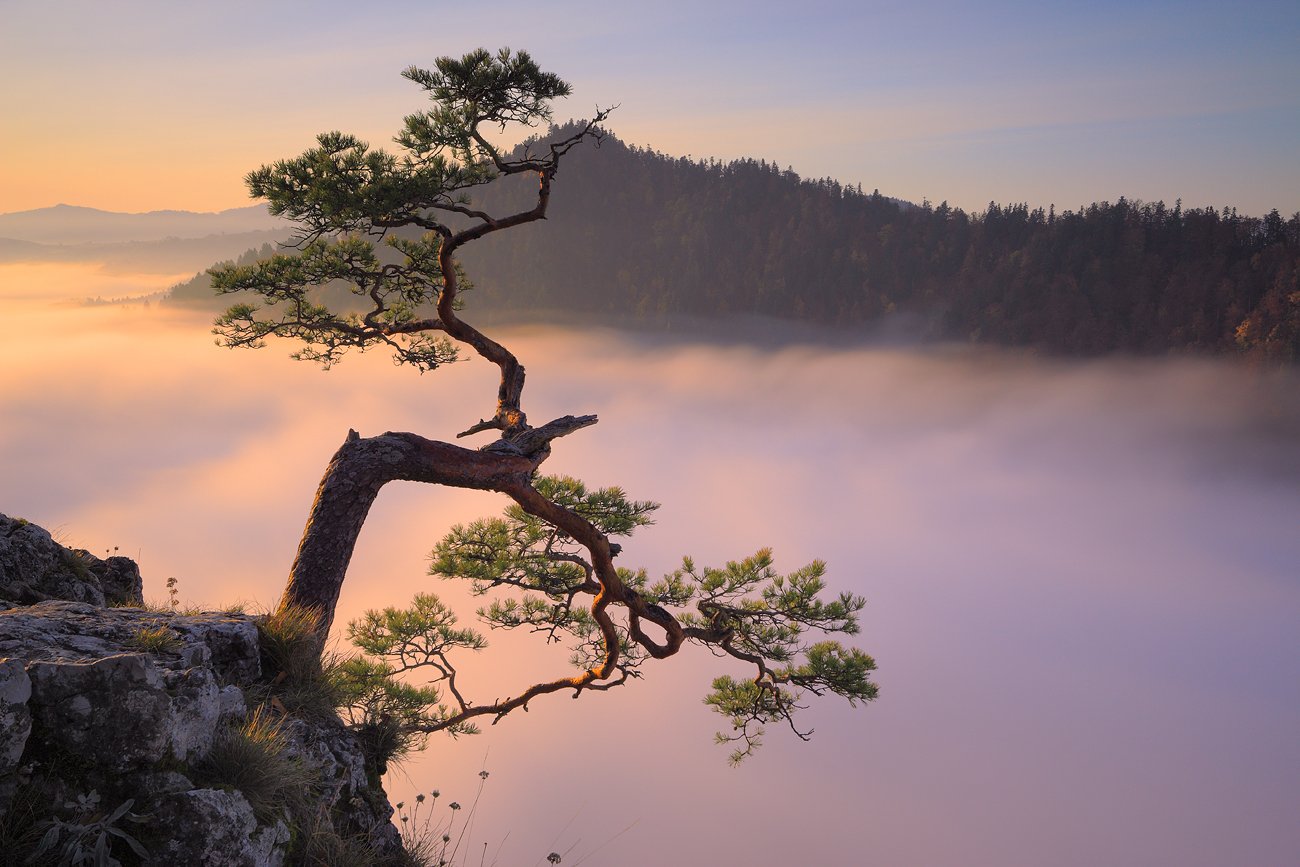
(157, 736)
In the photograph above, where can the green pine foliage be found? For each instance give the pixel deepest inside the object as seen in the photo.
(391, 711)
(353, 281)
(776, 625)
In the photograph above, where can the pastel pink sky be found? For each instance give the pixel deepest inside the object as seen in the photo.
(147, 105)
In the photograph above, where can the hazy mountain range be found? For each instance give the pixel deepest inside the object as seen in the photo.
(157, 242)
(635, 235)
(72, 224)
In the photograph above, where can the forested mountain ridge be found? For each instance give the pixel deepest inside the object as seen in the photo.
(632, 233)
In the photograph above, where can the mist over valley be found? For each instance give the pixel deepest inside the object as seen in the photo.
(1080, 574)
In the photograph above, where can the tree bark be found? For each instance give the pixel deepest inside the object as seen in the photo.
(362, 466)
(348, 489)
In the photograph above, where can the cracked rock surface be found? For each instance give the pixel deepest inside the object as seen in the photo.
(101, 706)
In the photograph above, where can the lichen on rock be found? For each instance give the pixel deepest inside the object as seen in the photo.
(92, 717)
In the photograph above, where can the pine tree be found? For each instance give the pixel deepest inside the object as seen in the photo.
(387, 228)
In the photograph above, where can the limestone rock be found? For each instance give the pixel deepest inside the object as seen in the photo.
(348, 782)
(119, 579)
(15, 725)
(34, 567)
(15, 718)
(69, 701)
(103, 706)
(217, 829)
(231, 641)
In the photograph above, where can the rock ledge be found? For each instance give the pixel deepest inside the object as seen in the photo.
(104, 707)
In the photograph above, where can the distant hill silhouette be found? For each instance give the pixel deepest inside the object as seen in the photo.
(635, 234)
(169, 256)
(72, 224)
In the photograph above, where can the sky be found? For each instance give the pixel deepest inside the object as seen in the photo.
(137, 106)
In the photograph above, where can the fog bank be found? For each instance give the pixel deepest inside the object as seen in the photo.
(1081, 577)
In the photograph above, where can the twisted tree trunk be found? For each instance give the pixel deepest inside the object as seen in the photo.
(362, 466)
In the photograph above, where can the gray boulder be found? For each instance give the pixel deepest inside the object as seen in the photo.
(215, 828)
(15, 725)
(123, 712)
(34, 567)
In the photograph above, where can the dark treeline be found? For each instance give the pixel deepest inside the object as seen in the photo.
(632, 233)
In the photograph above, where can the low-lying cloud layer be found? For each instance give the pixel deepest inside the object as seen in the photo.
(1081, 578)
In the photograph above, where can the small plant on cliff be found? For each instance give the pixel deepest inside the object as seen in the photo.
(434, 840)
(298, 677)
(253, 758)
(89, 839)
(322, 846)
(20, 828)
(154, 639)
(75, 560)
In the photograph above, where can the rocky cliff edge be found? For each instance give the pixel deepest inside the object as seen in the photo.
(138, 736)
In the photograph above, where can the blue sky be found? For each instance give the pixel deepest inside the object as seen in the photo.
(134, 106)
